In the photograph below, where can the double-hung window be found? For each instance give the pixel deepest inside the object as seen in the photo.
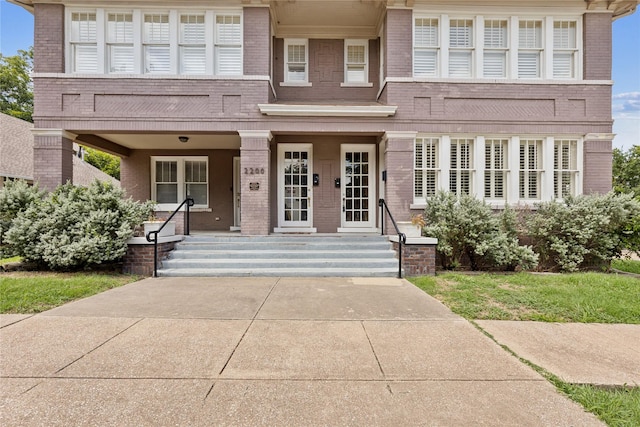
(565, 168)
(228, 45)
(461, 163)
(564, 49)
(495, 172)
(426, 168)
(192, 44)
(84, 42)
(176, 178)
(530, 48)
(426, 42)
(496, 44)
(356, 68)
(296, 68)
(120, 42)
(156, 40)
(460, 48)
(530, 179)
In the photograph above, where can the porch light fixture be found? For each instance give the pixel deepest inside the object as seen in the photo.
(183, 139)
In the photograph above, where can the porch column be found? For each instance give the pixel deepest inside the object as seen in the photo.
(598, 163)
(398, 162)
(52, 157)
(254, 182)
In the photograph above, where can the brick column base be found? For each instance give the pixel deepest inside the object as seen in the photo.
(139, 258)
(418, 259)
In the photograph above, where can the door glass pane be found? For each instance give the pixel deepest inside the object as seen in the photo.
(295, 170)
(356, 172)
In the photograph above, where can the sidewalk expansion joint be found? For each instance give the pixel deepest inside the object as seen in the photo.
(373, 350)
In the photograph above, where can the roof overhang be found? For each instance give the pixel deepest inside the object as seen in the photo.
(311, 110)
(619, 8)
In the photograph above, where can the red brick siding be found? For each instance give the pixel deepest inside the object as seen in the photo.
(418, 260)
(139, 258)
(255, 203)
(48, 38)
(597, 36)
(256, 41)
(399, 49)
(53, 161)
(598, 160)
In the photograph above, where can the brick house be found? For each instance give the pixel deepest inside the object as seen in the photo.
(296, 116)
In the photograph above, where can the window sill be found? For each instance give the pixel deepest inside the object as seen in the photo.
(296, 84)
(356, 84)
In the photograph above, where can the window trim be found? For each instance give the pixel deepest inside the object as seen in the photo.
(296, 42)
(181, 180)
(356, 42)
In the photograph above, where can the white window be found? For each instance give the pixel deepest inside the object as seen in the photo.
(565, 168)
(228, 45)
(530, 47)
(356, 61)
(176, 178)
(495, 168)
(83, 40)
(426, 42)
(156, 40)
(193, 55)
(426, 168)
(460, 48)
(564, 49)
(530, 168)
(496, 45)
(461, 166)
(120, 42)
(296, 68)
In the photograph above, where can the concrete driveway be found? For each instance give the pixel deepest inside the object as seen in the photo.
(266, 351)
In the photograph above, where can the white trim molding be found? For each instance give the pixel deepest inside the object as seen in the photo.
(256, 134)
(54, 132)
(599, 136)
(302, 110)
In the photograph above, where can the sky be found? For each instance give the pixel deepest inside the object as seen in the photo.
(16, 32)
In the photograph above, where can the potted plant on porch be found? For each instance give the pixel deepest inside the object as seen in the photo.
(153, 224)
(412, 228)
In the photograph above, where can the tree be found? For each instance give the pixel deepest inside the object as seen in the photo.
(106, 162)
(16, 88)
(626, 171)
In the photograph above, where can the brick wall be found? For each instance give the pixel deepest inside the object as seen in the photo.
(598, 161)
(418, 260)
(139, 258)
(52, 161)
(255, 156)
(597, 35)
(256, 41)
(48, 38)
(399, 52)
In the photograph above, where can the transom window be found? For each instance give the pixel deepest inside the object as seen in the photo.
(176, 178)
(155, 42)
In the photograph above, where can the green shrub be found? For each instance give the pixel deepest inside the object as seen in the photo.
(583, 232)
(468, 227)
(15, 197)
(76, 227)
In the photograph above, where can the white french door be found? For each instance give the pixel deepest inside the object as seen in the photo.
(295, 191)
(358, 187)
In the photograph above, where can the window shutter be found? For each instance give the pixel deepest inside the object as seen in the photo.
(459, 64)
(528, 65)
(192, 60)
(425, 63)
(157, 60)
(495, 64)
(120, 59)
(426, 32)
(461, 33)
(85, 59)
(426, 44)
(156, 29)
(228, 61)
(192, 29)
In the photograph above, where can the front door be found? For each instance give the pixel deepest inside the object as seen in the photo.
(295, 191)
(358, 187)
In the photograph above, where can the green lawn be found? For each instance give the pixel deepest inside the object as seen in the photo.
(34, 292)
(9, 260)
(628, 265)
(578, 297)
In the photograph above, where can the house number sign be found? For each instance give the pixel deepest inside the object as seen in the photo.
(254, 186)
(254, 171)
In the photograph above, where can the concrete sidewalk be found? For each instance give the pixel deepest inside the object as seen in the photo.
(266, 351)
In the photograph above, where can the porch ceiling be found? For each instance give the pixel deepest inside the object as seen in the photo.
(171, 141)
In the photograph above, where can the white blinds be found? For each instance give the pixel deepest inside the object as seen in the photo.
(228, 49)
(426, 46)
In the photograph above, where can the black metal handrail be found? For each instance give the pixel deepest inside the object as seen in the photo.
(402, 238)
(189, 202)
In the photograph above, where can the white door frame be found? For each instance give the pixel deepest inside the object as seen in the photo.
(237, 188)
(370, 224)
(293, 226)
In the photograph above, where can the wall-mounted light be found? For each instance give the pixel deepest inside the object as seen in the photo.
(183, 139)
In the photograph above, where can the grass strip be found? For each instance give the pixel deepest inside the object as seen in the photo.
(34, 292)
(626, 265)
(577, 297)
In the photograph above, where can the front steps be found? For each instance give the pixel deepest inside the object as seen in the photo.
(282, 255)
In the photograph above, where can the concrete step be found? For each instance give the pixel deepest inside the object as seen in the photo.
(282, 255)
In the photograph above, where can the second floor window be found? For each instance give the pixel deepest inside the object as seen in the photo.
(495, 48)
(461, 48)
(564, 49)
(426, 42)
(530, 49)
(356, 69)
(296, 61)
(165, 42)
